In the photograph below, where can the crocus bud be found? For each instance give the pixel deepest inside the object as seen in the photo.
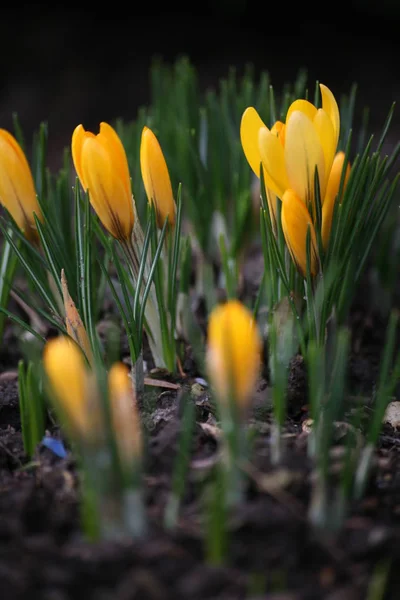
(233, 352)
(102, 167)
(296, 221)
(124, 414)
(156, 178)
(17, 189)
(65, 367)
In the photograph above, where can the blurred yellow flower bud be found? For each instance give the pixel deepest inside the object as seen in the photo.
(124, 414)
(233, 352)
(156, 178)
(17, 189)
(65, 367)
(295, 223)
(102, 167)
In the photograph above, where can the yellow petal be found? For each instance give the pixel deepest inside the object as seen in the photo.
(304, 106)
(273, 160)
(332, 191)
(233, 352)
(78, 137)
(65, 368)
(330, 106)
(124, 414)
(324, 128)
(296, 221)
(250, 125)
(107, 189)
(17, 189)
(303, 154)
(156, 178)
(109, 138)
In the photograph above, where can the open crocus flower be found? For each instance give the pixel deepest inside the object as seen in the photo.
(102, 167)
(17, 189)
(156, 178)
(292, 152)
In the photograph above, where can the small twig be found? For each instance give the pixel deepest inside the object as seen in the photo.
(160, 383)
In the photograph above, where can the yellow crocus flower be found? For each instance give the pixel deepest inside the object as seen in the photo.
(156, 178)
(296, 221)
(124, 413)
(233, 352)
(17, 189)
(291, 153)
(65, 367)
(102, 167)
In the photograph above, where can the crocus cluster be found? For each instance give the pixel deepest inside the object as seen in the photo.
(291, 155)
(102, 167)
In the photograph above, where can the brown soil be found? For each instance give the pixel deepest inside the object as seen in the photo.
(273, 552)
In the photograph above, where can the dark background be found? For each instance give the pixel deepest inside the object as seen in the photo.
(69, 65)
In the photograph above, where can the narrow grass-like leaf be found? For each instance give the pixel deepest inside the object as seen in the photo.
(216, 516)
(151, 273)
(22, 324)
(8, 267)
(54, 269)
(172, 281)
(32, 273)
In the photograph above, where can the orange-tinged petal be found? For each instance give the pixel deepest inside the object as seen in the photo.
(324, 128)
(250, 126)
(273, 160)
(303, 154)
(233, 352)
(109, 138)
(17, 189)
(278, 129)
(78, 138)
(332, 191)
(330, 106)
(156, 180)
(97, 174)
(108, 191)
(296, 221)
(304, 106)
(65, 368)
